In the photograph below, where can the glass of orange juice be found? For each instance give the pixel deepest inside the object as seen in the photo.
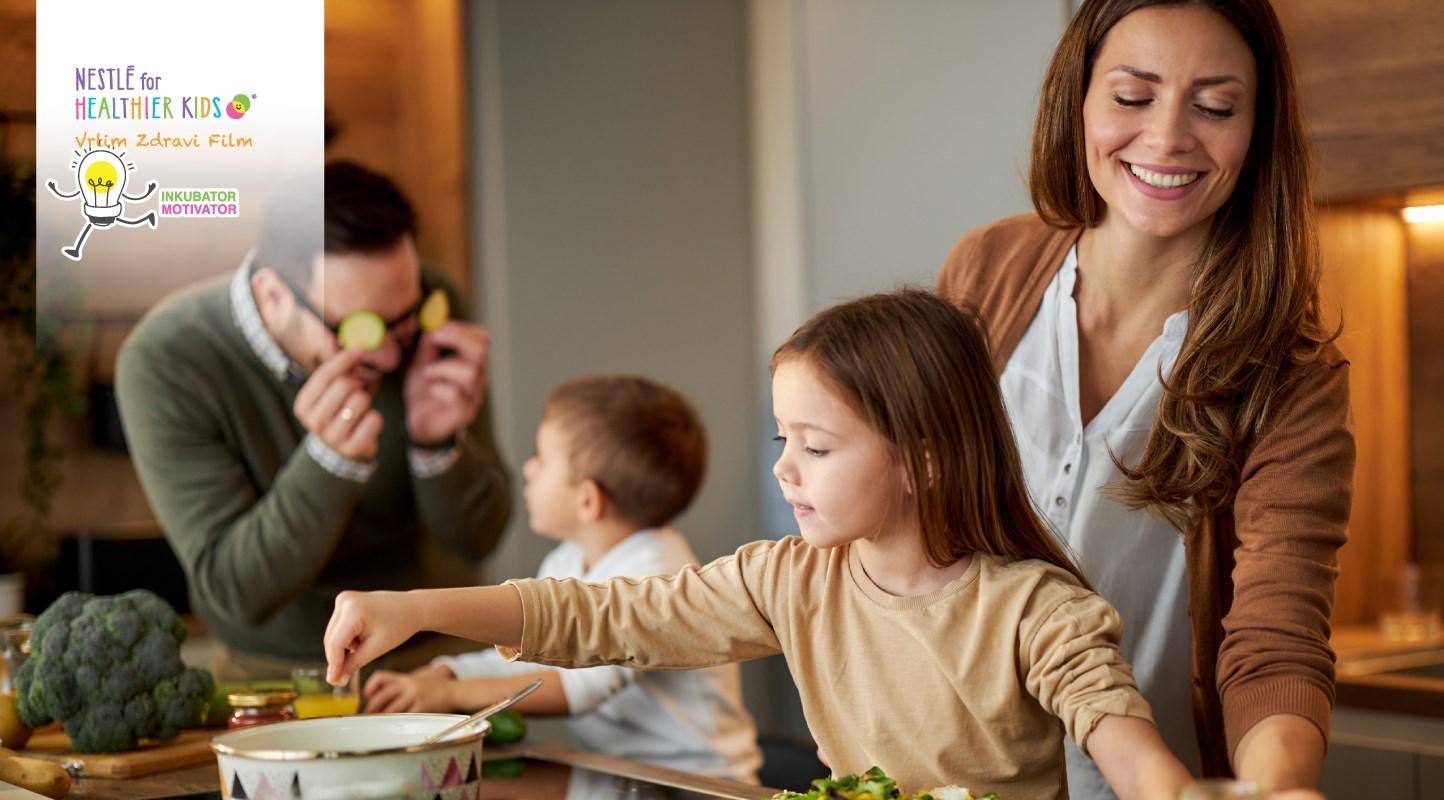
(1221, 789)
(317, 698)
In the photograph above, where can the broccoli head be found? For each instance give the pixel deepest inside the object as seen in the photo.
(110, 669)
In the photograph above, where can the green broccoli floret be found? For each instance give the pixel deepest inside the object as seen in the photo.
(110, 669)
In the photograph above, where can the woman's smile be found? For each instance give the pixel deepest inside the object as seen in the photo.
(1164, 183)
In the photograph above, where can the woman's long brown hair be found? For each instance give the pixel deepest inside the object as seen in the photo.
(916, 369)
(1253, 312)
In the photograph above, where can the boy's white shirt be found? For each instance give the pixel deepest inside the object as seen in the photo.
(692, 720)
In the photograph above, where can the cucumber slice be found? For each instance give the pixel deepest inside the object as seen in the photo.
(363, 329)
(435, 311)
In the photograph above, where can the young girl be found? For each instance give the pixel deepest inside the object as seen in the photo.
(933, 624)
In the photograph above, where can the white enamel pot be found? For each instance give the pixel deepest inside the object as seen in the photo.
(359, 757)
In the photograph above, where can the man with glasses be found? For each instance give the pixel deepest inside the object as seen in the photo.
(284, 467)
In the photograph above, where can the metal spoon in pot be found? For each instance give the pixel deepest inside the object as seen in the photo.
(485, 712)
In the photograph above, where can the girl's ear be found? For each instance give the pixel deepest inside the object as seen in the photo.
(594, 501)
(907, 475)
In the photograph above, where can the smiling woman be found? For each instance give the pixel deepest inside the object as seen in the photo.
(1157, 328)
(1166, 141)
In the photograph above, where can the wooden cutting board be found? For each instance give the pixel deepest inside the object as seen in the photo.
(191, 747)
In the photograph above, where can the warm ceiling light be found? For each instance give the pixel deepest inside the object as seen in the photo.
(1424, 214)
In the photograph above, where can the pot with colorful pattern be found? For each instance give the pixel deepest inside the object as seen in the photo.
(370, 756)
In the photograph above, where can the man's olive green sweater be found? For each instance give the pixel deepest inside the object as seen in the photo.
(266, 535)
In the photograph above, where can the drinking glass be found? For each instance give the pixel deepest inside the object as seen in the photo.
(317, 698)
(1413, 598)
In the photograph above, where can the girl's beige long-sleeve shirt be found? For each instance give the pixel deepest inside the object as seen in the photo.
(973, 684)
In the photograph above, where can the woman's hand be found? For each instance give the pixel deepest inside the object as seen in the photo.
(364, 626)
(427, 689)
(1282, 753)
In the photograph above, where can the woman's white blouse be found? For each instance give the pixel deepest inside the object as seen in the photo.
(1134, 559)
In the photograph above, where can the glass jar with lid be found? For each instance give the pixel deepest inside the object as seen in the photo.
(260, 707)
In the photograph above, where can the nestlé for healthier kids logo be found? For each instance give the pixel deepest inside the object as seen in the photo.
(100, 166)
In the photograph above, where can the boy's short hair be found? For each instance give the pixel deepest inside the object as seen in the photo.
(640, 441)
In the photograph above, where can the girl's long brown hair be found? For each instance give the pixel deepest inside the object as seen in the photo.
(916, 369)
(1253, 312)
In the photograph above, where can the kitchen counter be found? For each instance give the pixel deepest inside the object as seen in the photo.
(548, 771)
(1378, 674)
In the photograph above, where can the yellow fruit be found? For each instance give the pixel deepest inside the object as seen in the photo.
(42, 777)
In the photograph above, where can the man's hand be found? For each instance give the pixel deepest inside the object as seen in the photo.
(427, 689)
(335, 407)
(446, 381)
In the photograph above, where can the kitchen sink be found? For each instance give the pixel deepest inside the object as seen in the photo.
(1422, 663)
(1435, 671)
(1409, 682)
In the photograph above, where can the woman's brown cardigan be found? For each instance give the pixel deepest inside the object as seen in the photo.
(1261, 570)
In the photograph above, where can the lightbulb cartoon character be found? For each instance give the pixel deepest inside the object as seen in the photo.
(100, 183)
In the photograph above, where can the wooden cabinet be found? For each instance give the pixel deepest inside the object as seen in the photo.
(396, 95)
(1372, 79)
(1426, 388)
(1364, 258)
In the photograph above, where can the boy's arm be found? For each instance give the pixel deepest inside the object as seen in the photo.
(1134, 759)
(435, 688)
(586, 688)
(366, 625)
(549, 699)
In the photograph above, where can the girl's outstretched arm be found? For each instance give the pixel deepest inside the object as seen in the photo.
(1134, 759)
(365, 625)
(1138, 764)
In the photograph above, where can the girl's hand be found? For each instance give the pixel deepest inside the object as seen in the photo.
(425, 690)
(364, 626)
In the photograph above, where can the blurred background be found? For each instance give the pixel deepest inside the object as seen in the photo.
(670, 187)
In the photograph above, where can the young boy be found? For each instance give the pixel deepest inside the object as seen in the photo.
(617, 458)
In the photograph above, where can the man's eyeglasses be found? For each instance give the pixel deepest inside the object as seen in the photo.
(404, 326)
